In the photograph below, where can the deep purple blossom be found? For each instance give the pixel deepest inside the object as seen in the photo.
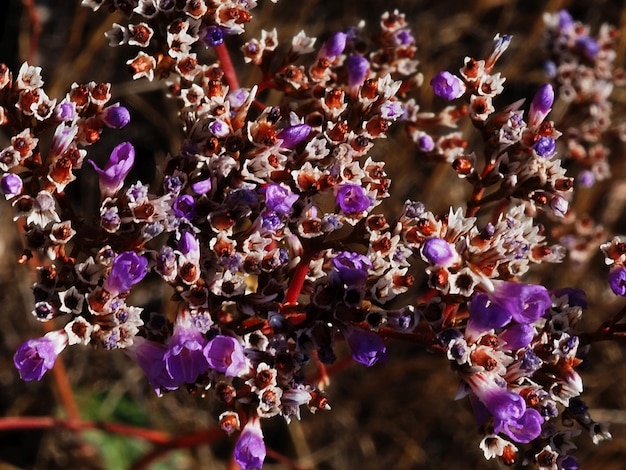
(358, 67)
(250, 450)
(333, 46)
(352, 198)
(117, 168)
(184, 358)
(184, 206)
(569, 463)
(367, 348)
(149, 356)
(11, 185)
(589, 47)
(279, 199)
(293, 135)
(617, 280)
(127, 269)
(545, 147)
(115, 116)
(35, 357)
(350, 268)
(485, 315)
(189, 245)
(213, 36)
(447, 86)
(225, 354)
(439, 252)
(63, 137)
(526, 303)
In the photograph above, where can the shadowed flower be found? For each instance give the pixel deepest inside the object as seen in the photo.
(127, 269)
(117, 168)
(35, 357)
(149, 356)
(367, 347)
(184, 360)
(250, 450)
(225, 354)
(617, 280)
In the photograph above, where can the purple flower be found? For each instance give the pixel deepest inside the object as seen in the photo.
(425, 143)
(357, 66)
(523, 429)
(350, 268)
(545, 147)
(439, 252)
(485, 315)
(184, 206)
(334, 46)
(541, 105)
(403, 37)
(65, 111)
(202, 186)
(588, 47)
(565, 19)
(617, 280)
(447, 86)
(149, 356)
(127, 269)
(225, 354)
(352, 198)
(569, 463)
(517, 336)
(117, 168)
(189, 245)
(293, 135)
(249, 450)
(526, 303)
(35, 357)
(115, 116)
(11, 185)
(279, 199)
(62, 138)
(213, 36)
(501, 404)
(184, 358)
(367, 347)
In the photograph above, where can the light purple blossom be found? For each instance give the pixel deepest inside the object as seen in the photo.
(522, 429)
(184, 358)
(358, 67)
(425, 143)
(517, 336)
(127, 269)
(333, 46)
(35, 357)
(115, 116)
(225, 354)
(439, 252)
(279, 199)
(541, 105)
(117, 168)
(526, 303)
(250, 450)
(447, 86)
(293, 135)
(11, 185)
(352, 199)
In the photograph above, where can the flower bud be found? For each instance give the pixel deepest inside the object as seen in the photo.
(11, 185)
(447, 86)
(334, 46)
(358, 66)
(293, 135)
(541, 105)
(115, 116)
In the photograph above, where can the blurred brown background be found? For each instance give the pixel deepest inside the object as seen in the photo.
(401, 415)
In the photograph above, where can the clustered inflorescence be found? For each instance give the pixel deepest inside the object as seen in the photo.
(263, 224)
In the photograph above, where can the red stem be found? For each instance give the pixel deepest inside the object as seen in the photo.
(46, 422)
(227, 66)
(297, 281)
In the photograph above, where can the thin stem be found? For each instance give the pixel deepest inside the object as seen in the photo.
(297, 281)
(46, 422)
(35, 29)
(227, 66)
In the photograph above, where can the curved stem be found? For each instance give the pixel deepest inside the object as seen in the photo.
(297, 281)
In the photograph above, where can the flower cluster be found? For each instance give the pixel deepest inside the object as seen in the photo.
(265, 223)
